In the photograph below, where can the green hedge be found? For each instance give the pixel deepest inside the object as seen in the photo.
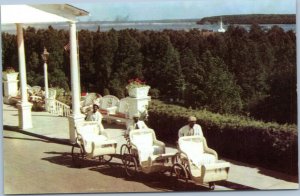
(269, 145)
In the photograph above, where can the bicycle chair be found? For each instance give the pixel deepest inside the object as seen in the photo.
(93, 142)
(201, 162)
(147, 149)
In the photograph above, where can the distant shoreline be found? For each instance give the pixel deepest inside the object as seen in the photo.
(250, 19)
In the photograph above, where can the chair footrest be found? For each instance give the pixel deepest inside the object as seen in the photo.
(217, 165)
(215, 172)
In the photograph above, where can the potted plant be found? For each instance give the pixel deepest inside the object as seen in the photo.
(10, 74)
(137, 89)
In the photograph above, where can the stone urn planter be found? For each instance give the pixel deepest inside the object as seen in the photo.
(139, 92)
(10, 76)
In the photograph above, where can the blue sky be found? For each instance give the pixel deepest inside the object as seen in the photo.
(111, 10)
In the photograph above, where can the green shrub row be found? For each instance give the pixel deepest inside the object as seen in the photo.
(269, 145)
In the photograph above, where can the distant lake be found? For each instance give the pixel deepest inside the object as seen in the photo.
(155, 26)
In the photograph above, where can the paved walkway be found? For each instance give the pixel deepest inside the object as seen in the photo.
(241, 176)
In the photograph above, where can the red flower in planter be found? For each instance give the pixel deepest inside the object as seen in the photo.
(135, 83)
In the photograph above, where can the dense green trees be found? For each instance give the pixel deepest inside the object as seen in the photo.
(105, 47)
(221, 92)
(162, 65)
(243, 72)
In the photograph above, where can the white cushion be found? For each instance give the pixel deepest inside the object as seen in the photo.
(205, 158)
(195, 152)
(192, 147)
(88, 139)
(88, 129)
(145, 153)
(143, 142)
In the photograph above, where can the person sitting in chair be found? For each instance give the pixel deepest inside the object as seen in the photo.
(95, 115)
(191, 128)
(137, 123)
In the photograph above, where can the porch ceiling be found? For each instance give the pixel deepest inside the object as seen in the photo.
(40, 13)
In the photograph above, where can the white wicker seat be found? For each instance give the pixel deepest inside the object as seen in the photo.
(89, 100)
(122, 113)
(202, 161)
(94, 141)
(197, 150)
(108, 104)
(147, 146)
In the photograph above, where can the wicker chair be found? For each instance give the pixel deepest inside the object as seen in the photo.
(147, 148)
(201, 161)
(122, 113)
(89, 100)
(93, 140)
(108, 105)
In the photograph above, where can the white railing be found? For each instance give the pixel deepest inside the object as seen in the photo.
(58, 108)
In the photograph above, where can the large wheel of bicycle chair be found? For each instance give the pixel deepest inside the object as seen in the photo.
(211, 185)
(124, 150)
(180, 172)
(105, 159)
(186, 166)
(130, 164)
(77, 155)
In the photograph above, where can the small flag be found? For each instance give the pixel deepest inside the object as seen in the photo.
(67, 47)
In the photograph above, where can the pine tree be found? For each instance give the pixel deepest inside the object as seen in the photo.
(221, 91)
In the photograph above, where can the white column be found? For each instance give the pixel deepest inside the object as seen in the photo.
(46, 80)
(22, 63)
(75, 79)
(46, 85)
(75, 84)
(24, 107)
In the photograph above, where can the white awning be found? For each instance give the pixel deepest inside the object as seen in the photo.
(42, 13)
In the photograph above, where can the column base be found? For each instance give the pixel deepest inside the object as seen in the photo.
(24, 113)
(73, 121)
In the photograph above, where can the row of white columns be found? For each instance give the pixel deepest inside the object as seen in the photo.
(24, 107)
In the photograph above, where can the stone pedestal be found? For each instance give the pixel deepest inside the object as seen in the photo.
(24, 111)
(50, 101)
(137, 104)
(139, 92)
(50, 105)
(10, 84)
(73, 121)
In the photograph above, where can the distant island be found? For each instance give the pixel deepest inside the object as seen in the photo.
(251, 18)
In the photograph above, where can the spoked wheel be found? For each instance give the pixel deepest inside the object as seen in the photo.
(77, 156)
(184, 163)
(175, 159)
(188, 171)
(125, 150)
(130, 164)
(105, 159)
(180, 172)
(211, 185)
